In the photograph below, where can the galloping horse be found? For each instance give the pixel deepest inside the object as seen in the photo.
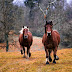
(25, 40)
(50, 40)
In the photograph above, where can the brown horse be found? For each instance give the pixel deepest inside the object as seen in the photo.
(25, 40)
(50, 40)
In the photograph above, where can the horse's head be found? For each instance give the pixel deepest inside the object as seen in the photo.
(48, 28)
(25, 32)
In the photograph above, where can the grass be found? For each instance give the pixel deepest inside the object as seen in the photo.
(13, 62)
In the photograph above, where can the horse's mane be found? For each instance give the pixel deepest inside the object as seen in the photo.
(21, 31)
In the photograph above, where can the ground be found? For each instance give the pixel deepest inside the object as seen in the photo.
(13, 61)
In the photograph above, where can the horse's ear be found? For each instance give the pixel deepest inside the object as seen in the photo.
(51, 23)
(23, 26)
(46, 22)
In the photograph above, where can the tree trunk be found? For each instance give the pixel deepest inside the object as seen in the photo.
(6, 39)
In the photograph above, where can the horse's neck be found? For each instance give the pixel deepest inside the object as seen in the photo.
(50, 38)
(53, 36)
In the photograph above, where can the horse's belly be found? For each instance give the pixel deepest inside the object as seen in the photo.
(24, 44)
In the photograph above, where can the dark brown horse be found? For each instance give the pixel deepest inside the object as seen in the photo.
(50, 40)
(25, 40)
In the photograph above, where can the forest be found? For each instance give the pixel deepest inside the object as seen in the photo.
(13, 17)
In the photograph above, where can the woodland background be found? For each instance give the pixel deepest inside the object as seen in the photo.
(13, 17)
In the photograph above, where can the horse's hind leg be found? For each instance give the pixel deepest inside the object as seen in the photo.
(55, 56)
(50, 59)
(24, 52)
(28, 52)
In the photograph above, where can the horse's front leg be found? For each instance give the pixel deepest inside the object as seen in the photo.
(24, 52)
(21, 49)
(47, 56)
(50, 59)
(28, 52)
(55, 55)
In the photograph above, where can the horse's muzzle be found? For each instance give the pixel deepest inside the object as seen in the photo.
(25, 36)
(48, 33)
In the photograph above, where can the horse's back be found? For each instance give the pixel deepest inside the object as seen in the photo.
(57, 35)
(30, 34)
(30, 38)
(21, 39)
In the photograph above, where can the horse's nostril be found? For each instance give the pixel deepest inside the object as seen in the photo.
(48, 34)
(25, 36)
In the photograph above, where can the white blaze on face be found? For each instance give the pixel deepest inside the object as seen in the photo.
(21, 31)
(25, 27)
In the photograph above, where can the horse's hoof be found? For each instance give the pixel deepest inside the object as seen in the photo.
(57, 58)
(24, 56)
(21, 52)
(29, 54)
(47, 62)
(54, 62)
(50, 59)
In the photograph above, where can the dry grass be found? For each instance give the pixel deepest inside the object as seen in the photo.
(13, 62)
